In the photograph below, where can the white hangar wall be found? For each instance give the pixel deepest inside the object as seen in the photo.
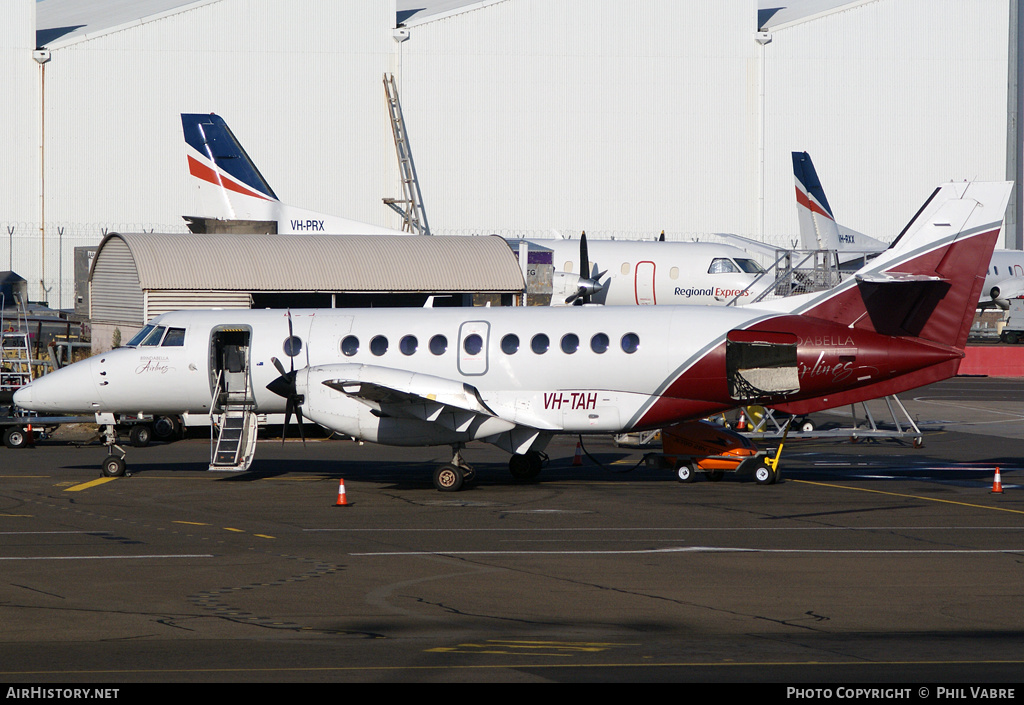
(299, 83)
(19, 167)
(890, 98)
(618, 118)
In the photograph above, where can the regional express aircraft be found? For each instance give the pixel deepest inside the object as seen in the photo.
(517, 376)
(231, 187)
(1004, 278)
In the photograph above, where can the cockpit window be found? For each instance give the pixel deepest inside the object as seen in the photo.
(139, 337)
(154, 337)
(175, 337)
(749, 266)
(722, 265)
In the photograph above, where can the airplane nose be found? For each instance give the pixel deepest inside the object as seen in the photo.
(68, 390)
(23, 398)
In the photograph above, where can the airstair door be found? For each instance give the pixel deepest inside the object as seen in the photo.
(232, 408)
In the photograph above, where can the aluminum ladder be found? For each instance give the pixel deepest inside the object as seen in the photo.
(414, 217)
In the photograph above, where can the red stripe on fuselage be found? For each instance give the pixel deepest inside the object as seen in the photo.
(201, 171)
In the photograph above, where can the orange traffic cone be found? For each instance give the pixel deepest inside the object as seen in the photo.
(741, 424)
(997, 484)
(30, 437)
(578, 458)
(342, 500)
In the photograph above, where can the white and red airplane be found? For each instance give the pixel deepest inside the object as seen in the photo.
(517, 376)
(1004, 278)
(611, 272)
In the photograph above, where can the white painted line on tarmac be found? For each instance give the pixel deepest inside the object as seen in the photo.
(690, 549)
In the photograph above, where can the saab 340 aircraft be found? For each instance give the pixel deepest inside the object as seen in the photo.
(1004, 278)
(515, 377)
(610, 272)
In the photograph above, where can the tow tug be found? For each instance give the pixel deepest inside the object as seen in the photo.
(709, 448)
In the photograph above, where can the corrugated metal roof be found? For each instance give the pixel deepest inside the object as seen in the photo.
(349, 263)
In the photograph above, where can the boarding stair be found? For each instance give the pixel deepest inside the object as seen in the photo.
(410, 207)
(233, 425)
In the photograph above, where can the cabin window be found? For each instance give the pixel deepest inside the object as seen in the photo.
(379, 345)
(408, 345)
(568, 268)
(673, 273)
(570, 343)
(473, 344)
(749, 266)
(439, 345)
(349, 345)
(599, 343)
(625, 268)
(540, 344)
(510, 344)
(630, 343)
(175, 338)
(154, 337)
(292, 345)
(722, 265)
(139, 337)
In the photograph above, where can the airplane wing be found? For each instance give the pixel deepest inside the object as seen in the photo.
(450, 404)
(752, 246)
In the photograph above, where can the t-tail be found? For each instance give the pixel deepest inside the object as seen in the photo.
(231, 187)
(923, 290)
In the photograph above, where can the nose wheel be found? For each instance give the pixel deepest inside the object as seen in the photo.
(114, 465)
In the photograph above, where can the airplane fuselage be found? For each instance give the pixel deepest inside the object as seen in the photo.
(391, 375)
(643, 273)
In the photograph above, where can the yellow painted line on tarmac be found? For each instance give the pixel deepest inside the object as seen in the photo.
(93, 483)
(237, 531)
(527, 648)
(911, 496)
(190, 523)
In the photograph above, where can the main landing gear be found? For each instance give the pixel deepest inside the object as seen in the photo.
(526, 466)
(451, 477)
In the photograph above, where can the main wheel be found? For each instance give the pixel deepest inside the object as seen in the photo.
(805, 425)
(449, 478)
(166, 428)
(525, 467)
(686, 472)
(114, 466)
(140, 435)
(15, 437)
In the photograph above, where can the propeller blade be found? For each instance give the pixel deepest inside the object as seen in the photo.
(584, 257)
(298, 420)
(287, 418)
(279, 366)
